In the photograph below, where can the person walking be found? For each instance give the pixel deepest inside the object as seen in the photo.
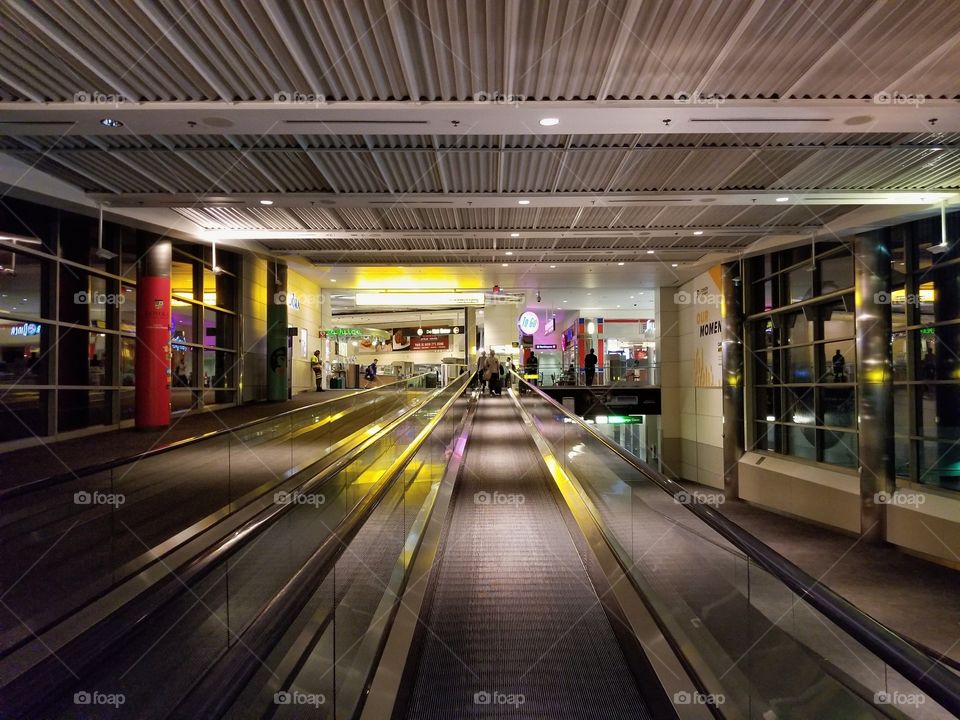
(590, 366)
(493, 373)
(317, 366)
(370, 375)
(482, 370)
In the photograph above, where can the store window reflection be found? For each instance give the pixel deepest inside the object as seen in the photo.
(802, 354)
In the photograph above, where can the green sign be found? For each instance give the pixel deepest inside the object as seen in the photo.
(345, 332)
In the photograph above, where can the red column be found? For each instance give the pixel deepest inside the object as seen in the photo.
(600, 353)
(152, 364)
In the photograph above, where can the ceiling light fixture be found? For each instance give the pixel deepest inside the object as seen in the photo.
(514, 234)
(549, 122)
(783, 199)
(266, 202)
(621, 264)
(698, 232)
(523, 202)
(509, 252)
(111, 122)
(504, 264)
(673, 265)
(649, 252)
(553, 266)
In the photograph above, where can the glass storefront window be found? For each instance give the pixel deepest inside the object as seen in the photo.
(800, 285)
(799, 364)
(839, 448)
(22, 278)
(836, 273)
(128, 356)
(128, 309)
(838, 405)
(23, 414)
(800, 442)
(181, 277)
(181, 322)
(23, 357)
(218, 328)
(839, 362)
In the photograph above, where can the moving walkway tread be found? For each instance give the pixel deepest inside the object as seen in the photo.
(514, 622)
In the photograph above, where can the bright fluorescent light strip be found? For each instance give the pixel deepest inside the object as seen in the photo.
(421, 299)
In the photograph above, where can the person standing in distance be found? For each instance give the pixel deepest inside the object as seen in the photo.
(317, 366)
(590, 366)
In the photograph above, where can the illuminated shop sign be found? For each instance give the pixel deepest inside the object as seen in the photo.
(545, 346)
(528, 323)
(25, 330)
(550, 325)
(347, 332)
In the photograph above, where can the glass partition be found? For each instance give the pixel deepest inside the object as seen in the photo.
(64, 544)
(748, 638)
(324, 657)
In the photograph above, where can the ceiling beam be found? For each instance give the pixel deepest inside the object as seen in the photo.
(374, 234)
(655, 117)
(547, 199)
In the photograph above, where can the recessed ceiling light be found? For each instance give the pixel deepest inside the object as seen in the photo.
(620, 264)
(333, 279)
(673, 265)
(111, 123)
(523, 202)
(504, 264)
(549, 122)
(564, 300)
(514, 234)
(698, 232)
(649, 252)
(509, 252)
(782, 199)
(266, 202)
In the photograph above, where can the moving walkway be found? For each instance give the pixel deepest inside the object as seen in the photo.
(483, 558)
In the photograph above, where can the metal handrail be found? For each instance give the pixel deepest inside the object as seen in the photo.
(33, 485)
(110, 631)
(928, 673)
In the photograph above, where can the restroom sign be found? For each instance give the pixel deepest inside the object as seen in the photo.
(528, 323)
